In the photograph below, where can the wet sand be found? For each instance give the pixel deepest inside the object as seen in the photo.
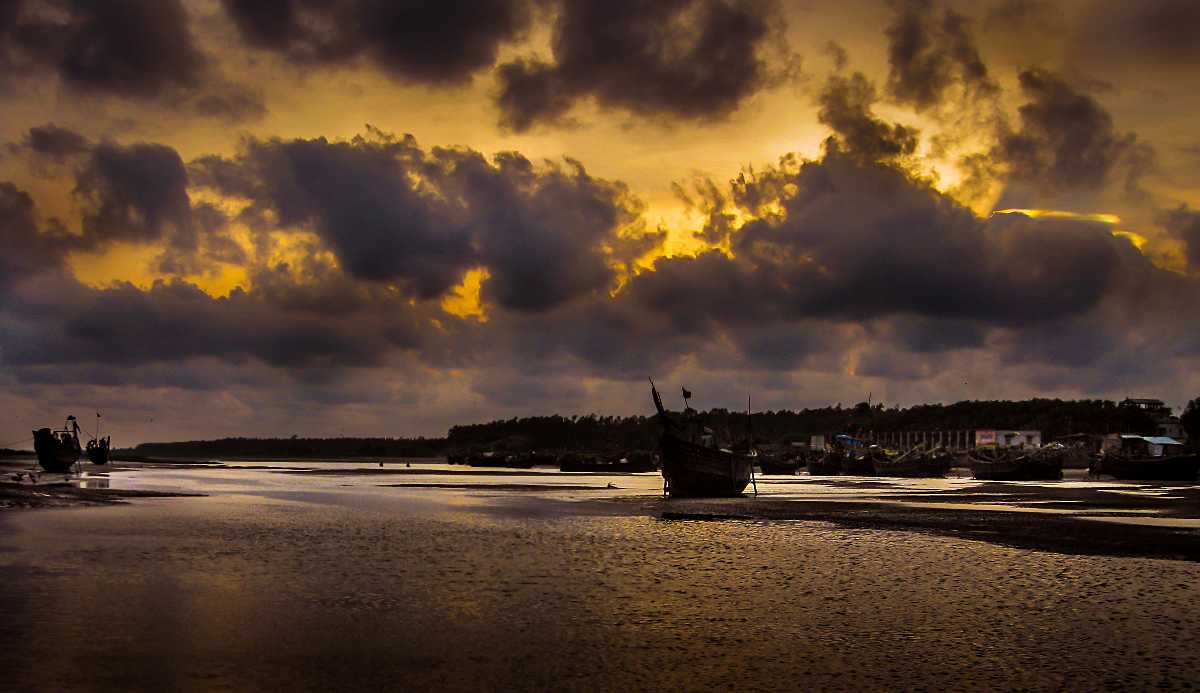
(536, 581)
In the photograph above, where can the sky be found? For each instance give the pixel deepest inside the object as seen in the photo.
(358, 217)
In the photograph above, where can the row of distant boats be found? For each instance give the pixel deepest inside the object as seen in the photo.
(695, 465)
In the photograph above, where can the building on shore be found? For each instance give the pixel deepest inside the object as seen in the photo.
(957, 440)
(1146, 446)
(1166, 424)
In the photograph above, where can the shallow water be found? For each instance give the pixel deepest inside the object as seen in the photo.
(285, 581)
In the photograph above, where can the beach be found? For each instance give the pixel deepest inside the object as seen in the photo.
(297, 575)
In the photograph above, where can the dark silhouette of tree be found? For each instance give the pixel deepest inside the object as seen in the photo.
(1191, 421)
(591, 432)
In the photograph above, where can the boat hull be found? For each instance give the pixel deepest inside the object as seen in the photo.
(857, 466)
(1022, 468)
(97, 452)
(827, 464)
(52, 454)
(914, 468)
(695, 471)
(1177, 468)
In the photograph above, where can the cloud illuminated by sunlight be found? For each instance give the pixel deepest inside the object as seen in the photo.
(134, 263)
(1060, 214)
(463, 301)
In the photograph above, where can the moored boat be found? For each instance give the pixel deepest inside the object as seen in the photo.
(97, 450)
(692, 464)
(915, 464)
(779, 463)
(1146, 468)
(58, 449)
(993, 464)
(827, 463)
(635, 461)
(500, 459)
(857, 463)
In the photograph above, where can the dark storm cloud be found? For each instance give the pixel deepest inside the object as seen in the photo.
(125, 326)
(429, 42)
(929, 52)
(1067, 140)
(393, 212)
(1184, 223)
(126, 47)
(26, 250)
(55, 143)
(382, 223)
(136, 192)
(692, 59)
(910, 250)
(140, 49)
(845, 106)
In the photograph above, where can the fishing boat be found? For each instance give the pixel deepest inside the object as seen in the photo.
(915, 464)
(97, 450)
(993, 464)
(828, 463)
(97, 447)
(780, 463)
(1134, 468)
(500, 459)
(635, 461)
(58, 449)
(693, 466)
(857, 464)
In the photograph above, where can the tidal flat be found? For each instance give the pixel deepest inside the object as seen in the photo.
(310, 575)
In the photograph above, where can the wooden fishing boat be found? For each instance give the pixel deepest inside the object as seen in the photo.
(692, 464)
(828, 463)
(500, 459)
(58, 449)
(97, 450)
(857, 463)
(1145, 468)
(773, 463)
(915, 464)
(1014, 465)
(636, 461)
(693, 470)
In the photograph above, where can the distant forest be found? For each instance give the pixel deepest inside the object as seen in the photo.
(1052, 417)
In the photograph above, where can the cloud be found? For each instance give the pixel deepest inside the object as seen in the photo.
(1152, 33)
(441, 43)
(689, 59)
(392, 212)
(845, 106)
(136, 192)
(55, 143)
(27, 250)
(930, 53)
(1067, 140)
(125, 47)
(1184, 223)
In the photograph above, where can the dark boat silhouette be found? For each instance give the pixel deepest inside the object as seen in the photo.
(635, 461)
(780, 463)
(692, 464)
(97, 450)
(97, 447)
(827, 463)
(991, 464)
(915, 464)
(58, 449)
(1146, 468)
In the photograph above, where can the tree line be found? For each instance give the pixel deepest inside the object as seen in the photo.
(1053, 417)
